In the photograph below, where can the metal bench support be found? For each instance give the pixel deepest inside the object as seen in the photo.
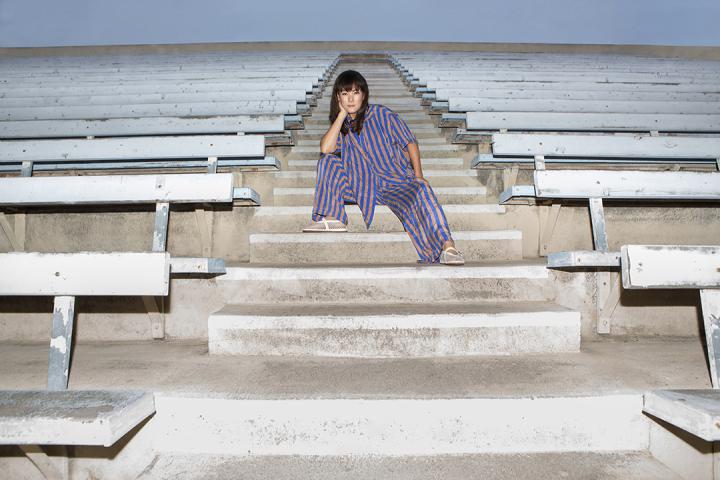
(710, 300)
(61, 342)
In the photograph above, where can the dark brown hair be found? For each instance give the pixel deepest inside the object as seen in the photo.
(347, 81)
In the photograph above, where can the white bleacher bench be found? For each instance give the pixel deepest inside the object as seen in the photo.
(162, 190)
(192, 151)
(31, 419)
(685, 267)
(146, 126)
(67, 275)
(597, 185)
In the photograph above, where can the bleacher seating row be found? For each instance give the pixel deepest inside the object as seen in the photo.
(612, 118)
(122, 115)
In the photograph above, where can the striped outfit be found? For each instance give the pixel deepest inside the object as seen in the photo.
(384, 176)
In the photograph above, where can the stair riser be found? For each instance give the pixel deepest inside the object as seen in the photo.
(398, 426)
(454, 151)
(307, 199)
(374, 252)
(435, 181)
(384, 221)
(427, 163)
(359, 291)
(411, 336)
(315, 135)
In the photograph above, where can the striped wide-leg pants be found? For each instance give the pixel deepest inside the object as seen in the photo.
(413, 202)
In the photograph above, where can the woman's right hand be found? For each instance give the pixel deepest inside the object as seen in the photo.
(342, 111)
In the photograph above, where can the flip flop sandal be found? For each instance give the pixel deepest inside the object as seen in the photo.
(326, 226)
(452, 256)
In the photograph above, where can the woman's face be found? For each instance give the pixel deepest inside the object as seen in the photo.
(351, 100)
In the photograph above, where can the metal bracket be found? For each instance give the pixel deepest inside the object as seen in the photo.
(212, 164)
(16, 236)
(710, 301)
(548, 217)
(608, 298)
(204, 220)
(510, 176)
(27, 169)
(156, 312)
(52, 468)
(162, 216)
(61, 342)
(539, 162)
(597, 218)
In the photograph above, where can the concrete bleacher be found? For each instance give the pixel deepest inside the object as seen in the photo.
(330, 356)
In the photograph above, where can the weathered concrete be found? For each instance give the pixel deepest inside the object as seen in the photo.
(695, 411)
(185, 376)
(377, 330)
(86, 417)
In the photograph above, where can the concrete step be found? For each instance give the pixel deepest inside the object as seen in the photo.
(343, 248)
(455, 195)
(527, 466)
(435, 140)
(322, 116)
(250, 406)
(437, 151)
(522, 281)
(232, 425)
(314, 135)
(460, 217)
(437, 178)
(392, 330)
(448, 163)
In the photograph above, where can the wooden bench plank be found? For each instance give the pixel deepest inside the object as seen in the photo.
(458, 104)
(645, 146)
(624, 184)
(74, 417)
(549, 121)
(85, 273)
(695, 411)
(133, 148)
(116, 127)
(670, 266)
(116, 189)
(247, 107)
(583, 258)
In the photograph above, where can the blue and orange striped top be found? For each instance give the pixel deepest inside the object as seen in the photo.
(383, 139)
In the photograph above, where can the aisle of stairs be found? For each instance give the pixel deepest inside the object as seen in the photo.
(360, 296)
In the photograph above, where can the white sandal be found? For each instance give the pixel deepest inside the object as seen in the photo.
(324, 225)
(452, 256)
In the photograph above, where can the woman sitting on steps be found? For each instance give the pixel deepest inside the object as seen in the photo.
(379, 163)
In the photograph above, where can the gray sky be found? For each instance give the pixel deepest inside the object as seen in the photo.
(27, 23)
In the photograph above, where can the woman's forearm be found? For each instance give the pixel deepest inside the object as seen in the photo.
(414, 152)
(329, 140)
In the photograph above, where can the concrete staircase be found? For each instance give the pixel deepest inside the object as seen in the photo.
(359, 295)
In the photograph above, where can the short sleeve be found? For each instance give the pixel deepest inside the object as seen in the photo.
(399, 131)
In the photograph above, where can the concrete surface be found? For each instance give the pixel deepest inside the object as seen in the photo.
(410, 330)
(78, 417)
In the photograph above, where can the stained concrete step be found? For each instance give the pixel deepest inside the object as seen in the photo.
(526, 466)
(321, 126)
(324, 248)
(430, 163)
(249, 406)
(437, 178)
(394, 330)
(522, 281)
(437, 151)
(436, 140)
(294, 219)
(454, 195)
(316, 134)
(424, 147)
